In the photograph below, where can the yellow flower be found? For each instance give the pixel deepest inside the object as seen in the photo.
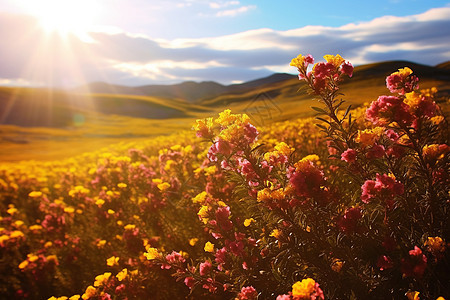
(412, 99)
(152, 253)
(32, 257)
(122, 274)
(12, 211)
(284, 149)
(35, 194)
(101, 243)
(102, 279)
(298, 61)
(404, 72)
(99, 202)
(209, 247)
(89, 293)
(193, 241)
(53, 258)
(200, 198)
(435, 244)
(75, 297)
(35, 227)
(203, 213)
(436, 120)
(440, 298)
(23, 264)
(130, 227)
(303, 289)
(247, 222)
(413, 295)
(163, 186)
(121, 185)
(69, 210)
(276, 233)
(112, 261)
(334, 60)
(111, 212)
(337, 265)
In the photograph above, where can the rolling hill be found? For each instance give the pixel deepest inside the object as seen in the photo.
(35, 122)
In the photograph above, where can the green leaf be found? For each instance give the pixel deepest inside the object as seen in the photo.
(319, 110)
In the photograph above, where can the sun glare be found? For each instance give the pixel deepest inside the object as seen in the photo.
(64, 16)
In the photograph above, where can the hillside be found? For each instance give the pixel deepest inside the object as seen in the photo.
(37, 123)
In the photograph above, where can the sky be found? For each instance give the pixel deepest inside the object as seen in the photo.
(67, 43)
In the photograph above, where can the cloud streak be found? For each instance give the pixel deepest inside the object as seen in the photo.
(124, 58)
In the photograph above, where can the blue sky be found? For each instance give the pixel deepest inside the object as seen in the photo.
(136, 42)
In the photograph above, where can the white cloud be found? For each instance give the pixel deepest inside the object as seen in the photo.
(234, 12)
(133, 59)
(218, 5)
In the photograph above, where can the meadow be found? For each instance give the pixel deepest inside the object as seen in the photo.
(336, 202)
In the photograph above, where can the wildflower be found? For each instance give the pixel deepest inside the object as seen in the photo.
(200, 198)
(203, 127)
(193, 241)
(89, 293)
(173, 258)
(413, 295)
(102, 279)
(384, 262)
(306, 179)
(121, 185)
(388, 109)
(337, 265)
(209, 247)
(112, 261)
(349, 155)
(122, 274)
(384, 187)
(247, 222)
(436, 246)
(415, 264)
(205, 268)
(276, 233)
(152, 253)
(35, 194)
(307, 289)
(248, 293)
(189, 281)
(203, 214)
(349, 221)
(402, 82)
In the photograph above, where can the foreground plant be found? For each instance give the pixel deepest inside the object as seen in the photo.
(362, 222)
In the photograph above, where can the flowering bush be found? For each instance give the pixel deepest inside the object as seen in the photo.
(355, 207)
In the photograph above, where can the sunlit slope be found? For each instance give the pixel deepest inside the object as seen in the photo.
(48, 124)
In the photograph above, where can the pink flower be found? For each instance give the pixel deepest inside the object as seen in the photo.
(384, 262)
(376, 151)
(387, 109)
(347, 68)
(384, 187)
(349, 221)
(205, 268)
(401, 83)
(284, 297)
(349, 155)
(189, 282)
(248, 293)
(306, 179)
(415, 264)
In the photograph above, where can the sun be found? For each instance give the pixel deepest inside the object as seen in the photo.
(64, 16)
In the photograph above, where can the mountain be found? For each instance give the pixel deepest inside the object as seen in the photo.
(189, 91)
(282, 93)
